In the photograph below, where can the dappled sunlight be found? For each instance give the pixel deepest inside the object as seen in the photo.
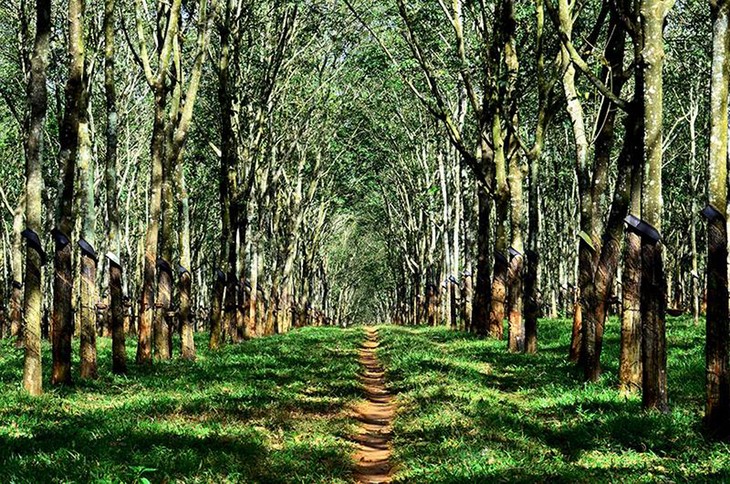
(529, 419)
(272, 410)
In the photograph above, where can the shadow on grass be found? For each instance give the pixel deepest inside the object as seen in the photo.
(269, 410)
(529, 418)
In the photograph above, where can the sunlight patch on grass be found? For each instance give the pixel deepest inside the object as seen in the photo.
(472, 412)
(269, 410)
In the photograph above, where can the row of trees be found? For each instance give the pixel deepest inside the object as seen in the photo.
(273, 164)
(231, 101)
(490, 216)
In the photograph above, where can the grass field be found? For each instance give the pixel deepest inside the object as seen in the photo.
(270, 410)
(275, 410)
(471, 412)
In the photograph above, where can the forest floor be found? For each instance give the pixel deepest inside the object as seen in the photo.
(284, 410)
(469, 411)
(272, 410)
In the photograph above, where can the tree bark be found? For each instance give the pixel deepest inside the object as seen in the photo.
(88, 366)
(37, 97)
(215, 317)
(187, 340)
(186, 327)
(630, 356)
(533, 297)
(116, 293)
(163, 302)
(582, 336)
(253, 314)
(163, 320)
(603, 264)
(63, 324)
(717, 406)
(653, 279)
(516, 265)
(158, 85)
(516, 342)
(144, 342)
(599, 291)
(480, 318)
(501, 264)
(88, 260)
(119, 352)
(16, 297)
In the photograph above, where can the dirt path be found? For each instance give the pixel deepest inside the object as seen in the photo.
(375, 415)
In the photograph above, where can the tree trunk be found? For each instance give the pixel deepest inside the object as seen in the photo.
(599, 290)
(515, 276)
(532, 293)
(119, 352)
(241, 312)
(229, 182)
(253, 302)
(116, 294)
(215, 313)
(88, 317)
(162, 329)
(467, 285)
(452, 304)
(158, 85)
(717, 407)
(532, 302)
(630, 367)
(653, 279)
(186, 328)
(271, 311)
(516, 342)
(37, 97)
(480, 315)
(163, 319)
(88, 259)
(187, 340)
(63, 324)
(16, 297)
(604, 261)
(501, 264)
(586, 253)
(164, 324)
(144, 342)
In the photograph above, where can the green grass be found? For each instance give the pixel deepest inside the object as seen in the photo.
(274, 410)
(471, 412)
(271, 410)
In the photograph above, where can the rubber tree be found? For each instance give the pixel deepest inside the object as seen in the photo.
(119, 353)
(546, 106)
(63, 325)
(228, 27)
(515, 180)
(605, 256)
(576, 114)
(16, 296)
(89, 259)
(246, 99)
(187, 340)
(37, 99)
(179, 118)
(599, 255)
(168, 17)
(717, 406)
(653, 279)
